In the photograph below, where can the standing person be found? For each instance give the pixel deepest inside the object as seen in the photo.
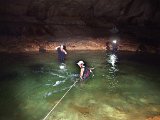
(61, 53)
(107, 46)
(114, 46)
(84, 71)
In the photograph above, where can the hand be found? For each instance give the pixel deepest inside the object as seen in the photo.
(56, 48)
(81, 78)
(91, 68)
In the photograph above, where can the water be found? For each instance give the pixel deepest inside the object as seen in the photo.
(125, 86)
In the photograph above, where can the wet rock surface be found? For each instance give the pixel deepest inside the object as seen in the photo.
(49, 43)
(42, 16)
(27, 25)
(154, 118)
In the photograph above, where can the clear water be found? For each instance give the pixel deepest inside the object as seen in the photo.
(124, 87)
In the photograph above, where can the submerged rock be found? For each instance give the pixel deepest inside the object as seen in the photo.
(154, 118)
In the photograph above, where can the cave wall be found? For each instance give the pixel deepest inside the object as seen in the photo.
(134, 10)
(42, 16)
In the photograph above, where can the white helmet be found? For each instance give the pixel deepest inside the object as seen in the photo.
(80, 62)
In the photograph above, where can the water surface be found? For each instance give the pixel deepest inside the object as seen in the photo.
(125, 86)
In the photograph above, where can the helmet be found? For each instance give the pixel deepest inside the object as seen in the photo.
(80, 62)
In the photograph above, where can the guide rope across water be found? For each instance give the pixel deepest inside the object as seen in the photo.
(59, 100)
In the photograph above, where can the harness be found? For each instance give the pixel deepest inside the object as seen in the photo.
(86, 73)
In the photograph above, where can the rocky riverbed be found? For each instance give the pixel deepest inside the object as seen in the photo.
(48, 43)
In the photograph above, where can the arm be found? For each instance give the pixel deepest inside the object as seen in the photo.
(57, 47)
(64, 51)
(92, 68)
(81, 73)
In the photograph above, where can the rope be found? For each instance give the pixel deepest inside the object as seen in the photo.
(59, 101)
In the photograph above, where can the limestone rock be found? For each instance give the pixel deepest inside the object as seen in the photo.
(41, 17)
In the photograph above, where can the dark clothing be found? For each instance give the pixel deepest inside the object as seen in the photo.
(86, 73)
(114, 48)
(141, 48)
(107, 46)
(61, 55)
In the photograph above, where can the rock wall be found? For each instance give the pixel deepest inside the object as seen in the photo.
(130, 11)
(72, 18)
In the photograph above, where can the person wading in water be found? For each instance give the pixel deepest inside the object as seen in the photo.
(84, 71)
(61, 53)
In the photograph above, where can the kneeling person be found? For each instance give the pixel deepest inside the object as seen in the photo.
(84, 71)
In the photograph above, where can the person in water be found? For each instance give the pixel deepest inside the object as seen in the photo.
(61, 53)
(84, 71)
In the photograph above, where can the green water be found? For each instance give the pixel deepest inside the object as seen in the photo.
(127, 90)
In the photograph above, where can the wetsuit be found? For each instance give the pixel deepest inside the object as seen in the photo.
(114, 48)
(61, 55)
(86, 73)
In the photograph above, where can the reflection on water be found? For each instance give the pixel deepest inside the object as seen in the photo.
(62, 67)
(112, 59)
(112, 69)
(125, 91)
(63, 77)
